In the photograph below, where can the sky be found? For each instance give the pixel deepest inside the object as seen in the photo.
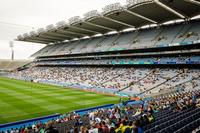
(21, 16)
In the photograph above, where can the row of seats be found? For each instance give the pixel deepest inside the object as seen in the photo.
(172, 124)
(144, 38)
(128, 80)
(160, 60)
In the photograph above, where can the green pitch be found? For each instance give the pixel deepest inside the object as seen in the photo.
(21, 100)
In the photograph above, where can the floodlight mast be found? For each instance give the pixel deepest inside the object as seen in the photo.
(11, 43)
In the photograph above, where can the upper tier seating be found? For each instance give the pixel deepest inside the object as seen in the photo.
(144, 38)
(124, 41)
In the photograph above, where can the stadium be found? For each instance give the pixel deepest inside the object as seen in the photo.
(127, 68)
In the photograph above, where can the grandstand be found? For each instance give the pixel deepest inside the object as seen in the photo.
(10, 65)
(144, 38)
(147, 50)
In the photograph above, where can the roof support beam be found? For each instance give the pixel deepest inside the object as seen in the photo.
(100, 26)
(193, 1)
(44, 39)
(70, 32)
(36, 41)
(140, 16)
(119, 22)
(169, 9)
(52, 37)
(58, 35)
(91, 31)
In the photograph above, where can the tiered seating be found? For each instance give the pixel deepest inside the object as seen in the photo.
(143, 38)
(43, 51)
(173, 122)
(185, 80)
(167, 35)
(79, 46)
(12, 64)
(146, 38)
(158, 60)
(189, 127)
(61, 50)
(131, 75)
(106, 43)
(181, 35)
(151, 80)
(55, 49)
(124, 41)
(193, 34)
(69, 47)
(128, 80)
(92, 45)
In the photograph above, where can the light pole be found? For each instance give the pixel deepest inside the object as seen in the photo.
(12, 50)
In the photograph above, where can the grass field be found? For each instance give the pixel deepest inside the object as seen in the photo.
(21, 100)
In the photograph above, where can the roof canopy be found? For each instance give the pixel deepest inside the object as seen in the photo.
(115, 17)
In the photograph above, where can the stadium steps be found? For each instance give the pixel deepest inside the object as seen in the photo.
(115, 41)
(45, 51)
(110, 79)
(55, 50)
(178, 33)
(50, 51)
(79, 46)
(185, 30)
(40, 51)
(107, 43)
(86, 43)
(157, 36)
(173, 87)
(160, 84)
(132, 83)
(65, 47)
(133, 39)
(90, 46)
(99, 43)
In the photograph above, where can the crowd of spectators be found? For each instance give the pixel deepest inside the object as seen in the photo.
(135, 80)
(160, 60)
(131, 118)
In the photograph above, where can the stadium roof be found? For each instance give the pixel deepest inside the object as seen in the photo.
(115, 17)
